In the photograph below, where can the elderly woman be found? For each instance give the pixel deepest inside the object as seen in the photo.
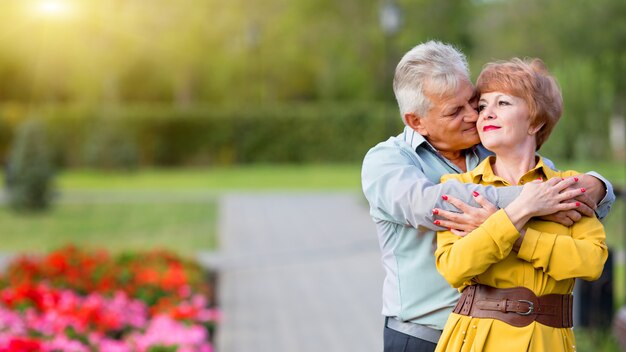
(516, 273)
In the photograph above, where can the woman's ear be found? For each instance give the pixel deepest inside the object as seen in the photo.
(415, 123)
(534, 129)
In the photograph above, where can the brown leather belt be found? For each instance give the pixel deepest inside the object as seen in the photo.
(516, 306)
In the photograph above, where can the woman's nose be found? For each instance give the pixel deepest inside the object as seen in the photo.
(487, 114)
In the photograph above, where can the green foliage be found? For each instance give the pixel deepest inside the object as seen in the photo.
(30, 171)
(588, 99)
(109, 145)
(595, 340)
(205, 135)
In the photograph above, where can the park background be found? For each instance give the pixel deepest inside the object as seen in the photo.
(148, 111)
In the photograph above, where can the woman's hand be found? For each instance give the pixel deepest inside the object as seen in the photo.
(469, 218)
(543, 198)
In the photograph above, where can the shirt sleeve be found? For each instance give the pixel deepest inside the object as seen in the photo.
(607, 202)
(459, 259)
(581, 255)
(399, 191)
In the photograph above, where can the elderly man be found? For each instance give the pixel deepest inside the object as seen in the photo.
(400, 179)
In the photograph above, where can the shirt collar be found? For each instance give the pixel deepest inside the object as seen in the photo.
(416, 140)
(484, 172)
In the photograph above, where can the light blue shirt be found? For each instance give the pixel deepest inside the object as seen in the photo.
(400, 179)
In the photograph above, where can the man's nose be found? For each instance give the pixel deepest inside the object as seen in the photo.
(471, 115)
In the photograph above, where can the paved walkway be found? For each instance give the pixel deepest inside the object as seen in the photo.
(298, 272)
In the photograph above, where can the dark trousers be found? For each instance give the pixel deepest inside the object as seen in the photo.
(398, 342)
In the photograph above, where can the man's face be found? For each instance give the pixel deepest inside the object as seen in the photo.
(450, 124)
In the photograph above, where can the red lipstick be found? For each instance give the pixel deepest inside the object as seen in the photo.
(490, 128)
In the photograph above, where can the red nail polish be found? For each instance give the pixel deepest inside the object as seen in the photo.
(437, 222)
(449, 229)
(475, 194)
(577, 204)
(435, 211)
(583, 190)
(576, 179)
(444, 197)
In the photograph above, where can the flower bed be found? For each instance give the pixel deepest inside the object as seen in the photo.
(76, 300)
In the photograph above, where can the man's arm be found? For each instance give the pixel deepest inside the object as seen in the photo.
(600, 190)
(399, 191)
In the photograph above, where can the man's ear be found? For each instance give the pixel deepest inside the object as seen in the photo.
(415, 123)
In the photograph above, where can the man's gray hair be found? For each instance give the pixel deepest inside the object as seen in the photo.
(432, 68)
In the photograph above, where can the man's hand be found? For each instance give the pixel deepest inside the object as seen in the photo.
(592, 192)
(543, 198)
(565, 218)
(470, 217)
(594, 188)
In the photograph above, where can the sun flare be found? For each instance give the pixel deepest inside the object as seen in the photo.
(53, 8)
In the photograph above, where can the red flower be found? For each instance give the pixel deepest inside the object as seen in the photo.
(174, 277)
(147, 276)
(22, 344)
(57, 261)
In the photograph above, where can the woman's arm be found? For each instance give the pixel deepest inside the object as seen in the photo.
(459, 259)
(563, 257)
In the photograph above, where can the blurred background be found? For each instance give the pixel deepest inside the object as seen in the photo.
(136, 115)
(207, 82)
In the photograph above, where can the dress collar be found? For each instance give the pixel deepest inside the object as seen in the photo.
(484, 172)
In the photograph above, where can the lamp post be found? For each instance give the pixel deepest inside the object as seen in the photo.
(390, 20)
(255, 88)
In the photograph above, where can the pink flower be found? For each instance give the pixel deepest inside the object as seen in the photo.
(164, 331)
(62, 343)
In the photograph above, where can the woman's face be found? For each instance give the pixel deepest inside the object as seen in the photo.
(504, 122)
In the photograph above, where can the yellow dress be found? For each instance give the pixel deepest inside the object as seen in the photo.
(550, 257)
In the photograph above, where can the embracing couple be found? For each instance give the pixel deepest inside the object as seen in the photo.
(481, 237)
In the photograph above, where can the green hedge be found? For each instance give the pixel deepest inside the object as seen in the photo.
(157, 135)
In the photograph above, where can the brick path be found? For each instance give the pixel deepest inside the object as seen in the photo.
(298, 272)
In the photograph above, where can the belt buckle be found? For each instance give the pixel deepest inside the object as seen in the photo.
(531, 307)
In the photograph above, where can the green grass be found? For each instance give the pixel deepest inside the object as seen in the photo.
(183, 227)
(258, 177)
(174, 209)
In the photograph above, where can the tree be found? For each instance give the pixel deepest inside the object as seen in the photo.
(29, 173)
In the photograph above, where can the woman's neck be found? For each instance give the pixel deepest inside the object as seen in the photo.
(513, 164)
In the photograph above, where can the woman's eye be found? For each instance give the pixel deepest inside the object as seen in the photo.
(480, 108)
(503, 102)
